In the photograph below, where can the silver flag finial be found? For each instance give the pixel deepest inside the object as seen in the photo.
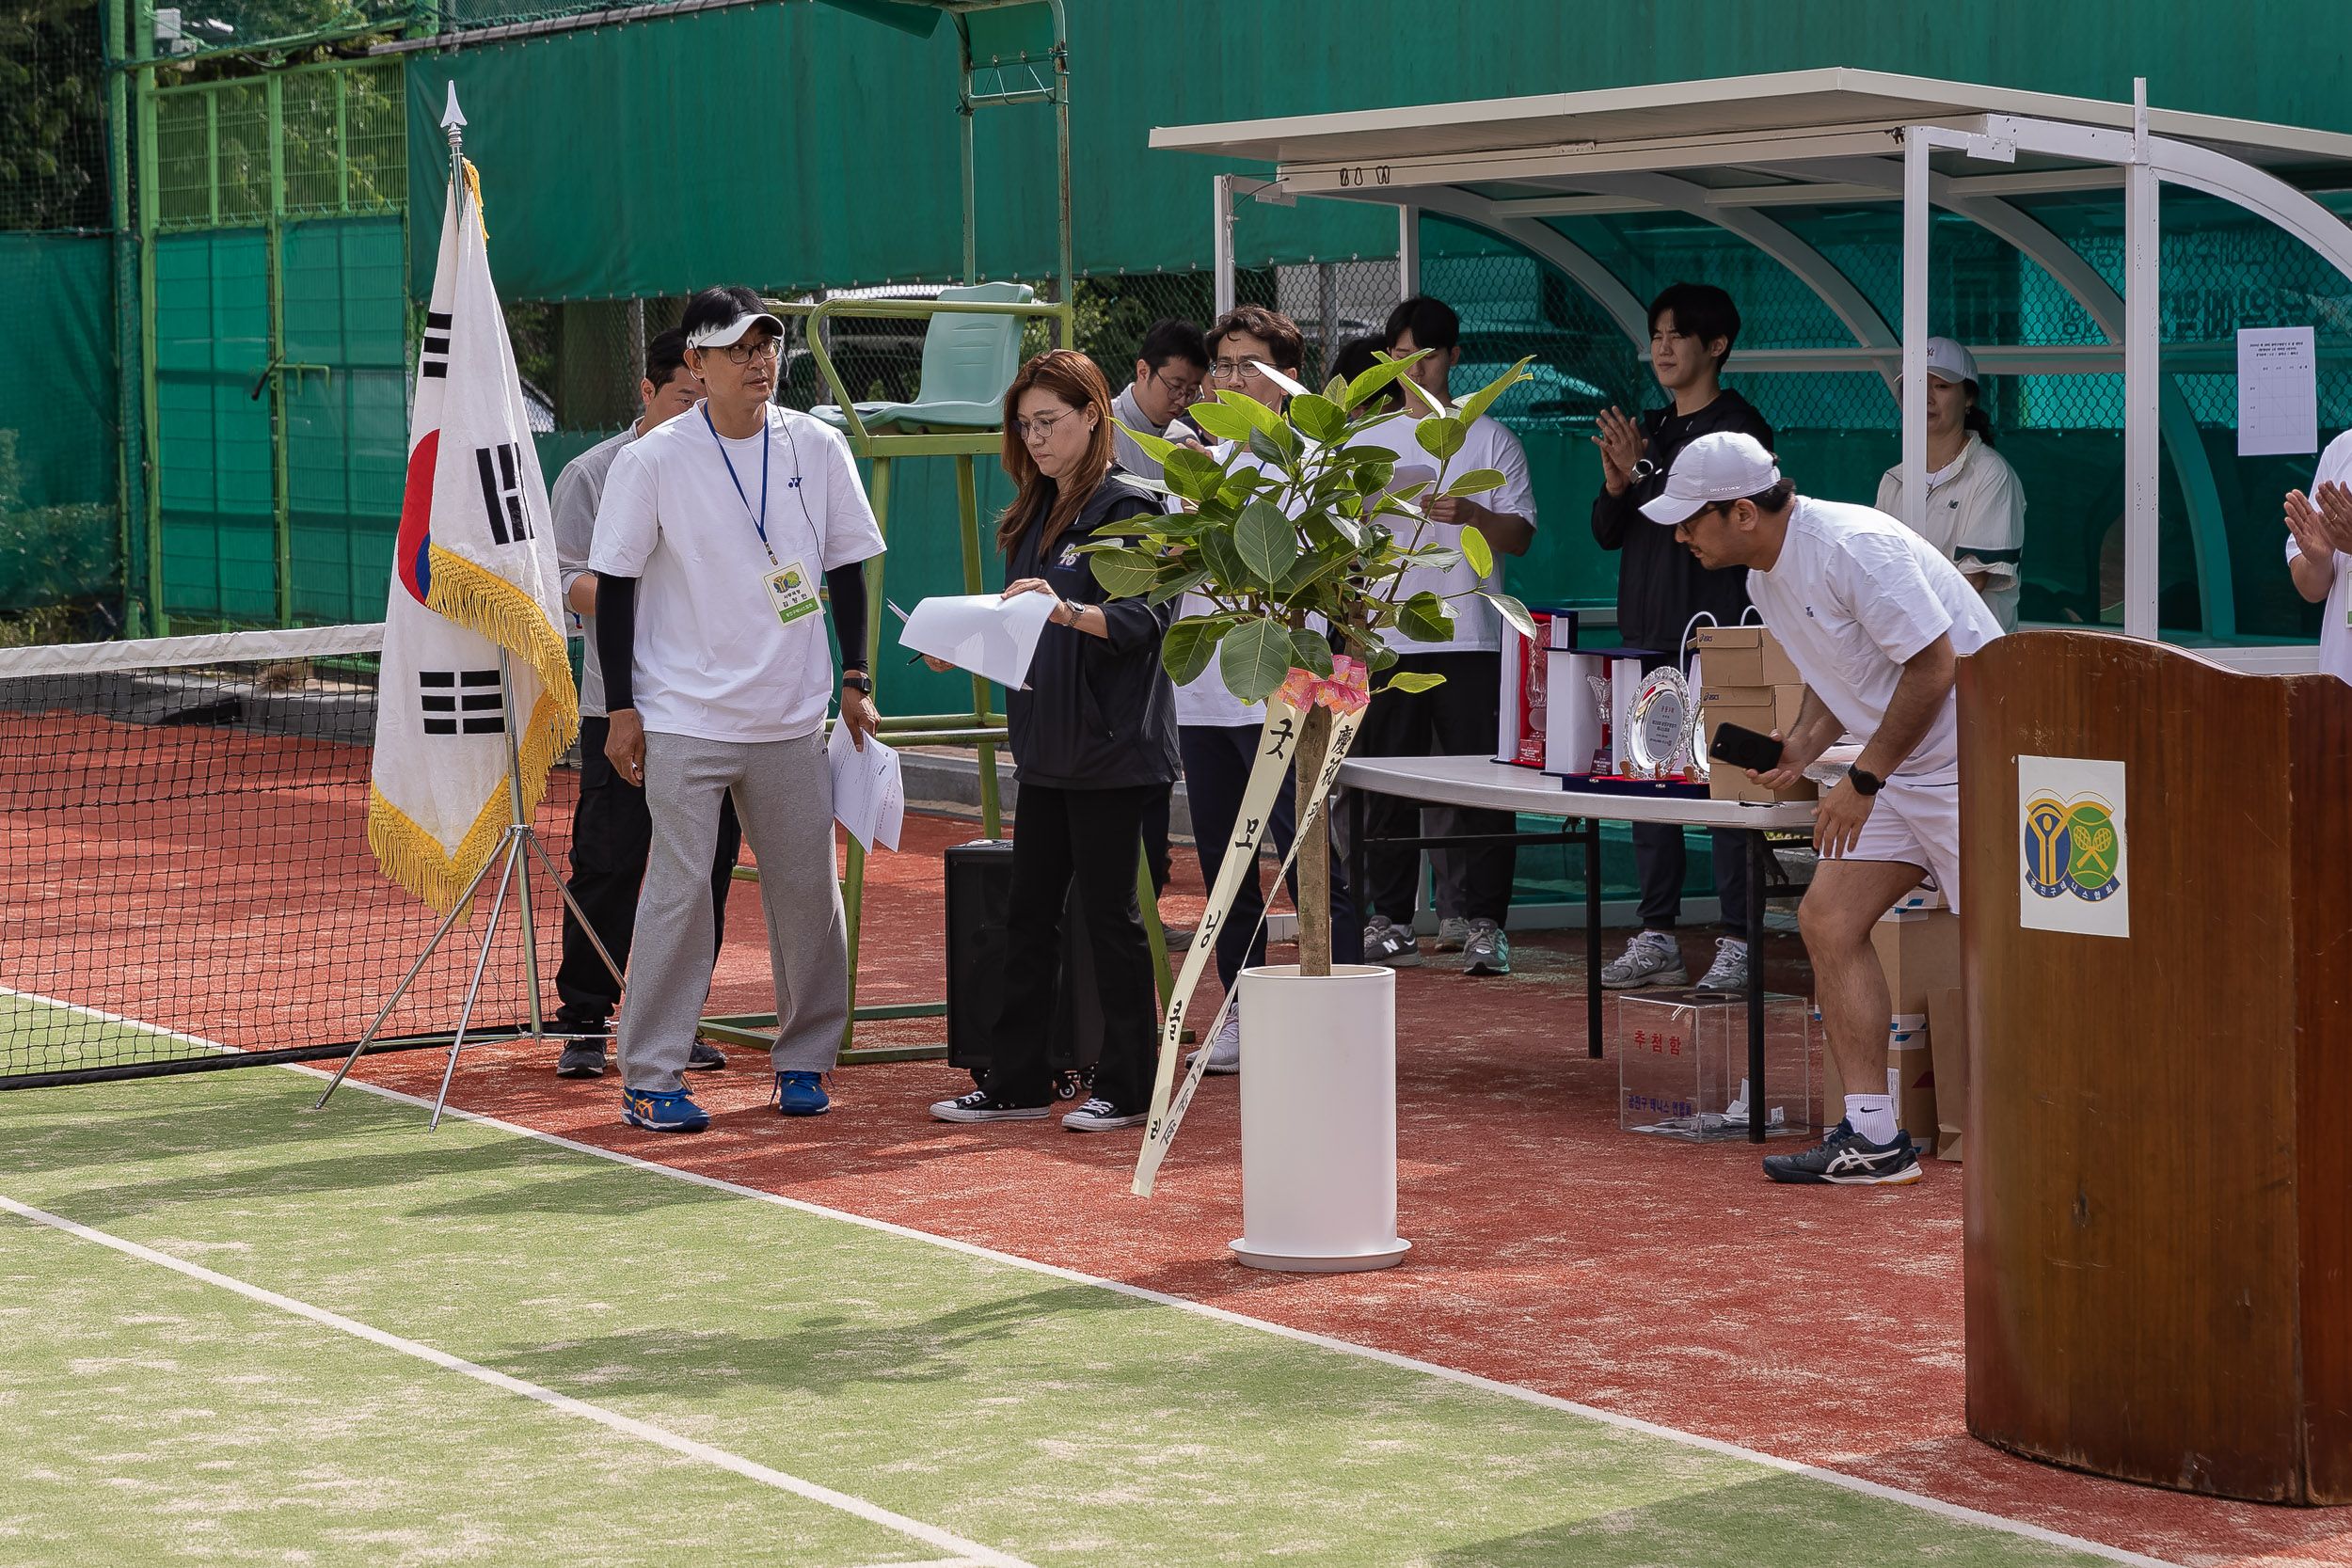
(453, 115)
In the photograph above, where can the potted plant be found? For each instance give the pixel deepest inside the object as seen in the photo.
(1302, 524)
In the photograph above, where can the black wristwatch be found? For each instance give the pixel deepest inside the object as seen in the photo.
(1864, 781)
(857, 679)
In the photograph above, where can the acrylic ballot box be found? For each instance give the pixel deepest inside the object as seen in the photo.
(1683, 1066)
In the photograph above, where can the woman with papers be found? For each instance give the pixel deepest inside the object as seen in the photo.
(1094, 742)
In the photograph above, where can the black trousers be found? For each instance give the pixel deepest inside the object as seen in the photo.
(1661, 861)
(1089, 835)
(1155, 839)
(611, 835)
(1454, 720)
(1217, 759)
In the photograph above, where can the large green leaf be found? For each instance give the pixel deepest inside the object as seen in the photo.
(1260, 416)
(1169, 587)
(1154, 447)
(1475, 483)
(1440, 438)
(1254, 659)
(1424, 618)
(1377, 377)
(1221, 420)
(1478, 552)
(1378, 657)
(1319, 416)
(1125, 573)
(1268, 450)
(1413, 680)
(1478, 401)
(1186, 649)
(1225, 562)
(1266, 541)
(1191, 473)
(1310, 651)
(1513, 611)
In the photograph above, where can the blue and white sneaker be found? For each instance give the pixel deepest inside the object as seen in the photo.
(800, 1094)
(1847, 1159)
(662, 1112)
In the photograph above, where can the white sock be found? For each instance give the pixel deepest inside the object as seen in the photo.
(1738, 945)
(1873, 1115)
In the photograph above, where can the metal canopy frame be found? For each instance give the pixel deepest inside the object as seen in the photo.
(1724, 150)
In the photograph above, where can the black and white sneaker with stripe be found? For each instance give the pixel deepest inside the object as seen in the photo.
(1847, 1159)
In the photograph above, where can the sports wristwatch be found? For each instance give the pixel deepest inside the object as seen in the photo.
(1863, 782)
(858, 680)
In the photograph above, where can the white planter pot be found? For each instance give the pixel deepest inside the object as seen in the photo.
(1318, 1119)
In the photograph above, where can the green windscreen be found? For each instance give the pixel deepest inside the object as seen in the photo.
(59, 535)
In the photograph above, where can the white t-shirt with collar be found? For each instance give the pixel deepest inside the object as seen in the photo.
(1976, 514)
(2335, 636)
(1853, 595)
(1487, 444)
(713, 659)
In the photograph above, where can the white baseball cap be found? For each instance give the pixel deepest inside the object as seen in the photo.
(1720, 466)
(716, 335)
(1949, 361)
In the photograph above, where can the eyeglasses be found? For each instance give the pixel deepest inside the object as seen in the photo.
(1183, 395)
(1236, 370)
(1039, 429)
(767, 349)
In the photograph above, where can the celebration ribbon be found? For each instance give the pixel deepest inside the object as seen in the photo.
(1345, 693)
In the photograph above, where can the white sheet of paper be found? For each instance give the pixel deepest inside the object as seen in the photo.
(2277, 392)
(868, 797)
(980, 632)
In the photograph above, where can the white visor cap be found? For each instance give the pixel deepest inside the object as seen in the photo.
(720, 337)
(1722, 465)
(1947, 361)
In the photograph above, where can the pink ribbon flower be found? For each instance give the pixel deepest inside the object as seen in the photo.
(1347, 690)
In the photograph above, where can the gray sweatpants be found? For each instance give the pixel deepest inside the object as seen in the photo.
(784, 799)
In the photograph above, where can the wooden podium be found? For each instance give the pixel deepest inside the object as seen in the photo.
(2159, 1151)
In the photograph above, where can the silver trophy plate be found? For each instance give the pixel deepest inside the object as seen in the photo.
(1658, 733)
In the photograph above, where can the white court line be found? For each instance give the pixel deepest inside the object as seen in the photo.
(1509, 1391)
(970, 1552)
(138, 1023)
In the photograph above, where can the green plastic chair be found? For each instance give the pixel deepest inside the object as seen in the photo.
(968, 361)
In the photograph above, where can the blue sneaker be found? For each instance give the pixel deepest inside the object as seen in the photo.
(662, 1112)
(800, 1094)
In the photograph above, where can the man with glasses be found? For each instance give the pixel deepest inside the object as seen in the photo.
(1169, 368)
(716, 532)
(1660, 588)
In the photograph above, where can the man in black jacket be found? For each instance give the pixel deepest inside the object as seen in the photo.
(1660, 588)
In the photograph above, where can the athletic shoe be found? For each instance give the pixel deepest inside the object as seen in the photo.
(1100, 1116)
(1488, 951)
(662, 1112)
(1387, 943)
(1179, 937)
(1453, 934)
(800, 1094)
(1651, 958)
(980, 1105)
(581, 1059)
(1224, 1050)
(1729, 972)
(703, 1056)
(1847, 1159)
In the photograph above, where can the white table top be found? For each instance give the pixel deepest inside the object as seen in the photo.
(1502, 786)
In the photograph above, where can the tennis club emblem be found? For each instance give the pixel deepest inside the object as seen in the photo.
(2075, 860)
(2072, 846)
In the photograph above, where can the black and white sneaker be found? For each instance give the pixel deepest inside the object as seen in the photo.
(1100, 1116)
(1387, 943)
(1847, 1159)
(980, 1105)
(703, 1056)
(581, 1059)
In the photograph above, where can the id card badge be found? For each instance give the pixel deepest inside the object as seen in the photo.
(790, 590)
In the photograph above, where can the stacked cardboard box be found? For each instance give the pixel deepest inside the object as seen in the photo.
(1747, 680)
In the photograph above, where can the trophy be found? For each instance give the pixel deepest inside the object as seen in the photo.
(1599, 684)
(1659, 727)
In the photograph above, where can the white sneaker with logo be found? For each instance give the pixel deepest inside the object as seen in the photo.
(1224, 1050)
(1651, 958)
(1729, 972)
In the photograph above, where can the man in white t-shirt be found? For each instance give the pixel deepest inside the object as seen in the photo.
(1875, 618)
(1459, 717)
(716, 532)
(2319, 552)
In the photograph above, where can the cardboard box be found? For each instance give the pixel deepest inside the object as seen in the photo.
(1910, 1080)
(1743, 655)
(1948, 1042)
(1763, 710)
(1920, 949)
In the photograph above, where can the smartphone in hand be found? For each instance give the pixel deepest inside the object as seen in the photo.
(1744, 748)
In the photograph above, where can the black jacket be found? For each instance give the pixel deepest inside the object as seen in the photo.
(1659, 584)
(1100, 712)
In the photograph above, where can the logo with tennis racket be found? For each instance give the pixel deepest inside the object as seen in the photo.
(2074, 846)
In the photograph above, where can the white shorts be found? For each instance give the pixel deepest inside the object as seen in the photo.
(1917, 825)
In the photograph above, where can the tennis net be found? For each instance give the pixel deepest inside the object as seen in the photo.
(183, 828)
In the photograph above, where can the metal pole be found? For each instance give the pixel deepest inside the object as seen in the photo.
(151, 440)
(274, 238)
(2143, 368)
(1756, 850)
(1063, 325)
(1914, 382)
(1592, 937)
(512, 848)
(130, 469)
(1221, 233)
(401, 990)
(1408, 252)
(521, 827)
(964, 115)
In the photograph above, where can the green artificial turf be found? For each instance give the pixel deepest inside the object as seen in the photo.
(155, 1417)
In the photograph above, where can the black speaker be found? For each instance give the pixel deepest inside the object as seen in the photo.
(979, 887)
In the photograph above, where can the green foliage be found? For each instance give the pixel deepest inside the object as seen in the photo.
(1413, 680)
(1294, 525)
(50, 555)
(53, 146)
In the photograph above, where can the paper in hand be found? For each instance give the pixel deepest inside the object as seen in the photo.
(868, 797)
(980, 632)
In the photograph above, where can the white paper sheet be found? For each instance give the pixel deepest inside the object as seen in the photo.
(868, 797)
(981, 633)
(2277, 392)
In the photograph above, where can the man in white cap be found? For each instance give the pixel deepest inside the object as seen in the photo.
(715, 532)
(1875, 618)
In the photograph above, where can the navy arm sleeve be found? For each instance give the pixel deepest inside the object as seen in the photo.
(616, 639)
(846, 587)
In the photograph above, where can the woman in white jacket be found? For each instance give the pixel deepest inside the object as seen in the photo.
(1976, 510)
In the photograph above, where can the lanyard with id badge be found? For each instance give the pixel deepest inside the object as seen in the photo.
(790, 589)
